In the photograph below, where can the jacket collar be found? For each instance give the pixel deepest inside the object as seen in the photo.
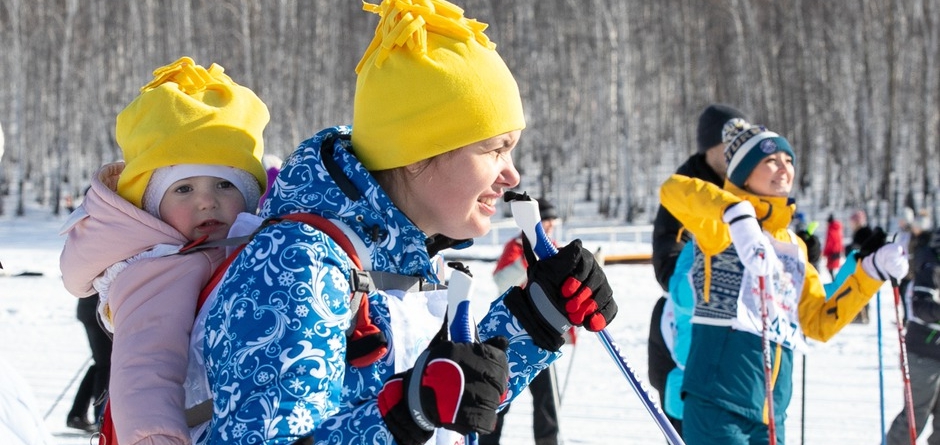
(324, 177)
(773, 212)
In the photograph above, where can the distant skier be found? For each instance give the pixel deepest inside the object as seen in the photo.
(834, 248)
(923, 346)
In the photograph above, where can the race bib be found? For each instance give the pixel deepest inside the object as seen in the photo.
(782, 292)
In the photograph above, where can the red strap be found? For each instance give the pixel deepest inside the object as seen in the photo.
(194, 243)
(320, 223)
(332, 230)
(364, 328)
(106, 434)
(216, 277)
(371, 343)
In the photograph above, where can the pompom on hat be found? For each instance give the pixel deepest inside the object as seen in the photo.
(748, 145)
(189, 115)
(430, 82)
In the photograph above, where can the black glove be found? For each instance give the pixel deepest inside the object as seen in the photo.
(813, 247)
(874, 242)
(412, 409)
(564, 290)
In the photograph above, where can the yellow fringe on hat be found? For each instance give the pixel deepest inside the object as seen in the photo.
(190, 78)
(189, 115)
(404, 23)
(429, 82)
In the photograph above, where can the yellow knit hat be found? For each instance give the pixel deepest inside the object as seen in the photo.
(430, 82)
(189, 115)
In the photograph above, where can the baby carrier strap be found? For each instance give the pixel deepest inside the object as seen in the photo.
(365, 342)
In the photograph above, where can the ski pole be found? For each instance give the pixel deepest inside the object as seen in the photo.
(564, 387)
(460, 322)
(58, 399)
(803, 404)
(525, 212)
(905, 367)
(881, 370)
(768, 362)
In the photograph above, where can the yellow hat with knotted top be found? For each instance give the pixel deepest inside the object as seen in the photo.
(189, 115)
(430, 82)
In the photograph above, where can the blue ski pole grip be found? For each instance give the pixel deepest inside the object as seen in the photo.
(526, 214)
(461, 327)
(460, 323)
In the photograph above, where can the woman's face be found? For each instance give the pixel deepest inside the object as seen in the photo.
(455, 194)
(773, 176)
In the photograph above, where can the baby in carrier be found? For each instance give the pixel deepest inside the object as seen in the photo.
(192, 146)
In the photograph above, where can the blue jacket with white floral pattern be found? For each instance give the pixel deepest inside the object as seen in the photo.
(275, 336)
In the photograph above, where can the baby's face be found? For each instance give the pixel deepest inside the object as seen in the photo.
(202, 205)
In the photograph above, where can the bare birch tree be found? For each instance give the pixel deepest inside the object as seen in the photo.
(611, 88)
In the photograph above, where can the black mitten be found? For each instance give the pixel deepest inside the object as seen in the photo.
(459, 388)
(567, 289)
(813, 247)
(874, 242)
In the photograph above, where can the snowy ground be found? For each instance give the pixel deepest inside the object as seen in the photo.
(42, 339)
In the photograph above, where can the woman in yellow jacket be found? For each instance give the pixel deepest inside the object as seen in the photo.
(741, 234)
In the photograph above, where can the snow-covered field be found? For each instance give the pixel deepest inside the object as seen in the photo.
(42, 339)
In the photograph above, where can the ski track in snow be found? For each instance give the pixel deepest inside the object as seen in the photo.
(43, 340)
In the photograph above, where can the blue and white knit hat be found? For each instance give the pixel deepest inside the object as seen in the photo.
(748, 145)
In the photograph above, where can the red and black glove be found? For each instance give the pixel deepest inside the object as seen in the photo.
(457, 386)
(567, 289)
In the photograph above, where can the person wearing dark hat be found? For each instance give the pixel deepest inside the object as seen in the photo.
(511, 271)
(707, 163)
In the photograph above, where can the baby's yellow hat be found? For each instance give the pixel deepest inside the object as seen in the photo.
(430, 82)
(189, 115)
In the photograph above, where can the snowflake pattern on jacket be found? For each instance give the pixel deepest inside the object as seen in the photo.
(275, 336)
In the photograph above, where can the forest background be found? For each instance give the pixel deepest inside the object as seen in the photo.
(611, 88)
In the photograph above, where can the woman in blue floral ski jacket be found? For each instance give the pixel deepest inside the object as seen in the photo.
(292, 357)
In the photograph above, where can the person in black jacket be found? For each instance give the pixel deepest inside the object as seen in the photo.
(94, 386)
(923, 345)
(707, 163)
